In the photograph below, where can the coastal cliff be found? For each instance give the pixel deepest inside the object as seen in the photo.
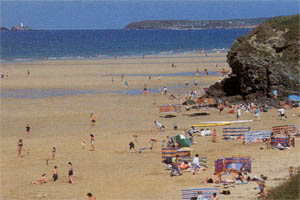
(196, 24)
(262, 61)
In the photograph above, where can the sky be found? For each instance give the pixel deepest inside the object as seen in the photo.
(115, 14)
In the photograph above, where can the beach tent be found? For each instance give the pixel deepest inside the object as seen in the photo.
(182, 141)
(294, 97)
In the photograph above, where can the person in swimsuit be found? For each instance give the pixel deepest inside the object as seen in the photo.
(221, 108)
(53, 153)
(55, 176)
(70, 172)
(92, 142)
(90, 196)
(131, 146)
(19, 147)
(42, 180)
(28, 130)
(93, 120)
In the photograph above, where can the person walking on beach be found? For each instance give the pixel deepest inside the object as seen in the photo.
(19, 147)
(28, 130)
(291, 171)
(93, 119)
(90, 196)
(92, 142)
(70, 172)
(55, 176)
(196, 163)
(53, 153)
(122, 76)
(214, 136)
(175, 166)
(281, 112)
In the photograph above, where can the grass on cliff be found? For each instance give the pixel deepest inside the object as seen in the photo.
(287, 190)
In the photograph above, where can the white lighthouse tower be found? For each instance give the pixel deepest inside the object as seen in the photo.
(22, 25)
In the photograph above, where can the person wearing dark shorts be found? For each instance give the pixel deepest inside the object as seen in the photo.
(28, 130)
(131, 146)
(55, 176)
(70, 172)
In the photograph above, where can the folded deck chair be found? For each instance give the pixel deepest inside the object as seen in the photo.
(192, 193)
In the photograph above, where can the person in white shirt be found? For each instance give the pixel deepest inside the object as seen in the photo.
(281, 113)
(239, 113)
(159, 125)
(196, 163)
(202, 132)
(208, 132)
(200, 196)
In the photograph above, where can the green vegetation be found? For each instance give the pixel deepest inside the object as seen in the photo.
(287, 190)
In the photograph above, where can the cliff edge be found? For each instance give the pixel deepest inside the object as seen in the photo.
(262, 61)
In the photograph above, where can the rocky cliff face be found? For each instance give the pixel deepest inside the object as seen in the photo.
(264, 60)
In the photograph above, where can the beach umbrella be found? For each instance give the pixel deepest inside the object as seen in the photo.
(294, 97)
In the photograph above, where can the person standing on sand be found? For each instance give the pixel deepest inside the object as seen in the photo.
(131, 146)
(122, 76)
(55, 176)
(92, 142)
(53, 153)
(19, 147)
(256, 113)
(28, 130)
(90, 196)
(165, 90)
(93, 120)
(175, 166)
(239, 113)
(196, 163)
(70, 172)
(214, 136)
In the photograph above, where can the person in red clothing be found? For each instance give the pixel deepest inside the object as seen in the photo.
(214, 136)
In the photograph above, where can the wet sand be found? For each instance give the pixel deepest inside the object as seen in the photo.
(111, 172)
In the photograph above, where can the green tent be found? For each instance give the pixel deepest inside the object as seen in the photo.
(182, 141)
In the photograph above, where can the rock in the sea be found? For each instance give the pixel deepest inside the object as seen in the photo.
(264, 60)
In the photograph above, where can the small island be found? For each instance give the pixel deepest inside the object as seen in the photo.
(2, 28)
(195, 24)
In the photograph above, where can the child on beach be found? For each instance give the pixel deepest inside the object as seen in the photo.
(53, 153)
(135, 136)
(70, 172)
(196, 163)
(131, 146)
(152, 141)
(239, 113)
(90, 196)
(291, 171)
(28, 130)
(214, 136)
(93, 119)
(92, 142)
(159, 125)
(19, 147)
(256, 114)
(221, 108)
(42, 180)
(55, 176)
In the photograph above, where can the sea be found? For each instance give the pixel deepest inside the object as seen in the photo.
(22, 46)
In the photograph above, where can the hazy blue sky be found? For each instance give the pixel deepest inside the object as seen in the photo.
(112, 14)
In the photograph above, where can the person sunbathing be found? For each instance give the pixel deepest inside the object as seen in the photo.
(184, 165)
(216, 180)
(42, 180)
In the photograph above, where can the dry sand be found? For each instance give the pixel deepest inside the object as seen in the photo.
(111, 172)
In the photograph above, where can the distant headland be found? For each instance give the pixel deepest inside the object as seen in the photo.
(196, 24)
(21, 27)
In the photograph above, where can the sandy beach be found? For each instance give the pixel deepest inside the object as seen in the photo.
(67, 91)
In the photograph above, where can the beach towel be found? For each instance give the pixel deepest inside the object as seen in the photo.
(235, 133)
(202, 161)
(192, 193)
